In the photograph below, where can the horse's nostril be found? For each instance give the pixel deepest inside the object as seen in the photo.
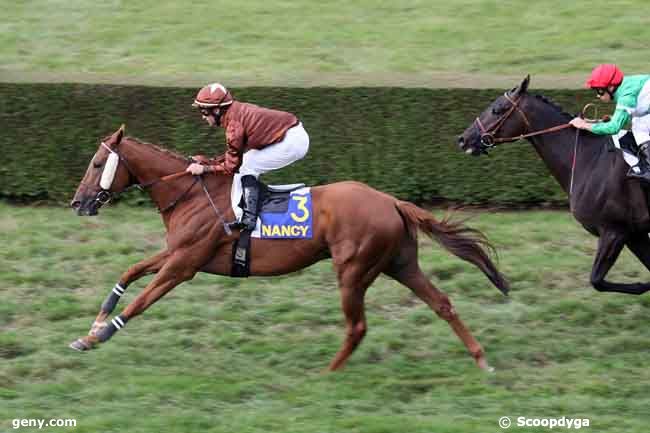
(75, 204)
(461, 141)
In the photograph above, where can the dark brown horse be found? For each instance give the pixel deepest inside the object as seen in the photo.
(602, 199)
(363, 241)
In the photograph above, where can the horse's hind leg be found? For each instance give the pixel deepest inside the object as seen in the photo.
(639, 244)
(640, 247)
(412, 277)
(610, 245)
(355, 274)
(352, 299)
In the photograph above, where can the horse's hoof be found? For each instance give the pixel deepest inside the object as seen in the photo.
(483, 365)
(80, 345)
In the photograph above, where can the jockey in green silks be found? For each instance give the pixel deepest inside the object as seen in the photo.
(632, 97)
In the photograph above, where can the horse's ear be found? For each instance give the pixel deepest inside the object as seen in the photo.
(523, 87)
(119, 134)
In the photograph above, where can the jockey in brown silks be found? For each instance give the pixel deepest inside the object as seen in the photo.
(258, 140)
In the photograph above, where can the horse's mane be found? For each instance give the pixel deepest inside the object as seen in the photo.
(555, 106)
(568, 116)
(158, 148)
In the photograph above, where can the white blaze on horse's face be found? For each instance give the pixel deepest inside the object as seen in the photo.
(110, 168)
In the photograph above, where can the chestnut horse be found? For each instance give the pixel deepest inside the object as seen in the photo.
(364, 231)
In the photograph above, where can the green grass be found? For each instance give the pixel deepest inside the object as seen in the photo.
(224, 355)
(429, 43)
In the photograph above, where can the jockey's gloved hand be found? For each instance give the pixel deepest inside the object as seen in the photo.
(196, 169)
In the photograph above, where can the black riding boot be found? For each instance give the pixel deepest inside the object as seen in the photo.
(251, 200)
(641, 171)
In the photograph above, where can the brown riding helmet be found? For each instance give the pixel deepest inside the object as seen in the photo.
(213, 95)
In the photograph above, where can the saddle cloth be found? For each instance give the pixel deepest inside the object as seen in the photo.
(624, 141)
(285, 210)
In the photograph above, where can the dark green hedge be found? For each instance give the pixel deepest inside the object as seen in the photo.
(401, 141)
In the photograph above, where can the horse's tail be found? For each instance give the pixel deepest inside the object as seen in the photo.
(467, 243)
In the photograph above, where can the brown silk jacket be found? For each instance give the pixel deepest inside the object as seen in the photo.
(251, 127)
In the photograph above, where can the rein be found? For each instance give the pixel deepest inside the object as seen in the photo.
(573, 168)
(180, 197)
(173, 176)
(488, 140)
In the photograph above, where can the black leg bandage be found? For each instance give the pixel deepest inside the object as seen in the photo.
(114, 325)
(112, 299)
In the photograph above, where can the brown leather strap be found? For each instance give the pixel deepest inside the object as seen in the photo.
(532, 134)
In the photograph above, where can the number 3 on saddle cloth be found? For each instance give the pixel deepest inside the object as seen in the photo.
(285, 213)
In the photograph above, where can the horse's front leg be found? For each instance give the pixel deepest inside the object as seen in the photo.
(134, 273)
(170, 274)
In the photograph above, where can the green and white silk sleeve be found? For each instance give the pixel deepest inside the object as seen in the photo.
(619, 119)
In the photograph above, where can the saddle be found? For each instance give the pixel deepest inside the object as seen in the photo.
(275, 198)
(276, 210)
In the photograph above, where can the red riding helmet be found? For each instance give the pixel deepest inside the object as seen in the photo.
(604, 76)
(213, 95)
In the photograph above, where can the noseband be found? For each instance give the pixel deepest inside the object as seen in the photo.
(103, 196)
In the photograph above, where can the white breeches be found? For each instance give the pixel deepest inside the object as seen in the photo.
(641, 128)
(641, 124)
(294, 146)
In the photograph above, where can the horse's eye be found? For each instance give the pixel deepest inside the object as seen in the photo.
(97, 164)
(497, 111)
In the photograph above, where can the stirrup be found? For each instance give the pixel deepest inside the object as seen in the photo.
(240, 225)
(634, 171)
(639, 173)
(235, 225)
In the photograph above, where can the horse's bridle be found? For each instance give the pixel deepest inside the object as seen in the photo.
(488, 139)
(104, 196)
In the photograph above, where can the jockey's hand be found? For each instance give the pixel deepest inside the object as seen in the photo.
(580, 123)
(196, 169)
